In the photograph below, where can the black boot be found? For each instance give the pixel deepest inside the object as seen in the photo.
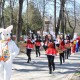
(50, 71)
(53, 66)
(27, 61)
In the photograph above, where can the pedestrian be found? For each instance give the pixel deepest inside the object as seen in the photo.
(51, 53)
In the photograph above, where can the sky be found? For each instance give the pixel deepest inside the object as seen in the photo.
(50, 8)
(78, 1)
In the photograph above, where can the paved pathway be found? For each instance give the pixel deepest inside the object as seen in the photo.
(37, 69)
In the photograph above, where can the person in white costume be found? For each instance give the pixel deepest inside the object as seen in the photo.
(8, 51)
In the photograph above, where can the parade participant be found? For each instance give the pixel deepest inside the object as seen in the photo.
(50, 37)
(51, 52)
(37, 46)
(46, 41)
(74, 43)
(74, 46)
(60, 48)
(79, 42)
(8, 51)
(67, 46)
(58, 39)
(71, 44)
(62, 54)
(29, 47)
(77, 45)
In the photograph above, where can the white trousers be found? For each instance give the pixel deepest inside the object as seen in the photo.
(5, 70)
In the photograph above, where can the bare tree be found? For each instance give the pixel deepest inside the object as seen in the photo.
(55, 17)
(27, 17)
(0, 11)
(20, 20)
(73, 15)
(2, 2)
(11, 11)
(61, 18)
(43, 16)
(74, 18)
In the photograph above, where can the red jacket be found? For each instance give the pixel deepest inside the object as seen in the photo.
(62, 45)
(37, 43)
(29, 44)
(62, 48)
(51, 51)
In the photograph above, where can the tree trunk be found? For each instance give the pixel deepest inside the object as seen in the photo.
(59, 20)
(27, 18)
(20, 21)
(62, 19)
(73, 28)
(43, 18)
(55, 17)
(65, 25)
(2, 14)
(74, 18)
(11, 12)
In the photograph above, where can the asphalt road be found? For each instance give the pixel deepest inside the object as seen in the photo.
(37, 69)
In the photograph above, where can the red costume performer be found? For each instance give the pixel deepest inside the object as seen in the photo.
(61, 55)
(29, 47)
(37, 46)
(62, 45)
(74, 46)
(51, 52)
(29, 44)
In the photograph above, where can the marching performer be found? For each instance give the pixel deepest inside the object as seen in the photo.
(67, 46)
(60, 48)
(74, 42)
(46, 41)
(29, 47)
(51, 52)
(37, 46)
(77, 45)
(74, 46)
